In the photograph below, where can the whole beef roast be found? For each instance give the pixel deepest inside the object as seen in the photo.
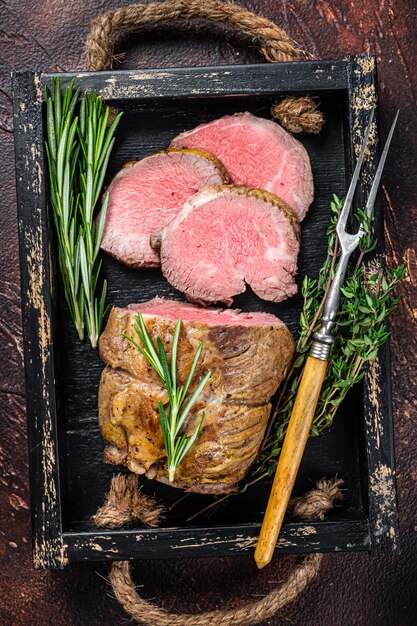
(146, 194)
(226, 237)
(258, 153)
(248, 354)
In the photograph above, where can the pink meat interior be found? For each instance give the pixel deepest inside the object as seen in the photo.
(257, 153)
(173, 309)
(214, 248)
(146, 196)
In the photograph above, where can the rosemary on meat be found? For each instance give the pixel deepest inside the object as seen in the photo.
(78, 148)
(366, 301)
(176, 443)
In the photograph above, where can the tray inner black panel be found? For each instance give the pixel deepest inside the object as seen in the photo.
(144, 129)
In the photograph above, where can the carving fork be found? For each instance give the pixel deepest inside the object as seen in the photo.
(315, 367)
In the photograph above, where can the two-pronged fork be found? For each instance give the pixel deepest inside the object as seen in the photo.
(315, 368)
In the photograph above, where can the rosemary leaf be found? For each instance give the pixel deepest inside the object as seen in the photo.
(174, 349)
(191, 372)
(193, 399)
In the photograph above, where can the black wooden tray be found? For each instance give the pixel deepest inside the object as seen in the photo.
(67, 475)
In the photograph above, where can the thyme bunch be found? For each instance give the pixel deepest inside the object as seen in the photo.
(176, 443)
(78, 149)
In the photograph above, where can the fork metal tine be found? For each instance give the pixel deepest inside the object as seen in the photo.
(377, 179)
(341, 224)
(348, 243)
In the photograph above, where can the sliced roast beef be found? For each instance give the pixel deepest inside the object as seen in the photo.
(146, 194)
(226, 237)
(248, 354)
(257, 153)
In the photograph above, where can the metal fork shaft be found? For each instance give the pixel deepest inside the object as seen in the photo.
(323, 339)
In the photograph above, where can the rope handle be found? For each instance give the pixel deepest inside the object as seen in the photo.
(296, 114)
(150, 615)
(126, 504)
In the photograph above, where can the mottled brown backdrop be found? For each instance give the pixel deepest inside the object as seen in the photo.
(358, 589)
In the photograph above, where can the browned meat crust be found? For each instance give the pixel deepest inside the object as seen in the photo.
(247, 364)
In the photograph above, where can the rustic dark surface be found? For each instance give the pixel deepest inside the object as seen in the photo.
(350, 588)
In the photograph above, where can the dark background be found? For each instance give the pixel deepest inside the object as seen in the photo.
(350, 589)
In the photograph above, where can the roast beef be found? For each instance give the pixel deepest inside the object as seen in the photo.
(226, 237)
(248, 354)
(258, 153)
(146, 194)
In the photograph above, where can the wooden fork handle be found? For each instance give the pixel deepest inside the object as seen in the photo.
(290, 457)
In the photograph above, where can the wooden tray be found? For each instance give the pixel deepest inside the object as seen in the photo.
(68, 478)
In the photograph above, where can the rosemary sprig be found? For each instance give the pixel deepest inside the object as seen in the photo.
(61, 151)
(366, 301)
(78, 150)
(176, 443)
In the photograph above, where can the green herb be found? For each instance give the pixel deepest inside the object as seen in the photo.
(176, 444)
(78, 148)
(366, 301)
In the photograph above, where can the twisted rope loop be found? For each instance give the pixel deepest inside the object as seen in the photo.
(126, 504)
(275, 44)
(151, 615)
(115, 511)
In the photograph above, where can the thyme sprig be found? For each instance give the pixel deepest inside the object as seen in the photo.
(78, 149)
(367, 299)
(176, 443)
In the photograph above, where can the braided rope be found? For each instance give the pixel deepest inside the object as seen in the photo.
(275, 44)
(150, 615)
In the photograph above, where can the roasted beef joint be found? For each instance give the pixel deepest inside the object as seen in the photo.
(248, 354)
